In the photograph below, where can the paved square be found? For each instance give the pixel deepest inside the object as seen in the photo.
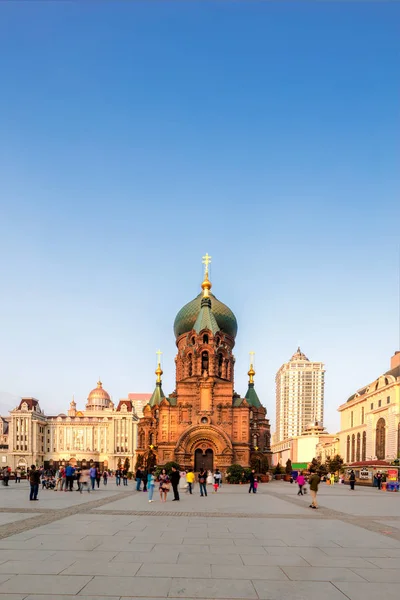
(114, 545)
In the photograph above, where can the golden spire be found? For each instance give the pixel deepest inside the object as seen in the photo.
(99, 383)
(159, 370)
(251, 372)
(206, 285)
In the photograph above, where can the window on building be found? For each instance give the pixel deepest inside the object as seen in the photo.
(380, 442)
(379, 403)
(364, 446)
(362, 415)
(353, 447)
(388, 400)
(190, 365)
(358, 449)
(205, 339)
(348, 449)
(351, 419)
(204, 362)
(372, 406)
(220, 363)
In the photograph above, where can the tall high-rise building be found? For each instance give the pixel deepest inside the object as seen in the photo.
(299, 396)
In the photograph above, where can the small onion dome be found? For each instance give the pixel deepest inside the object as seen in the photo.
(98, 398)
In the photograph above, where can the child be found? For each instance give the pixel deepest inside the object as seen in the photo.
(255, 484)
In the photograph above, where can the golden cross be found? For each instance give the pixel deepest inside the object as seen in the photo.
(256, 448)
(252, 357)
(159, 356)
(206, 261)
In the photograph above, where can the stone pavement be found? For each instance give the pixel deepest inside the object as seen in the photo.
(112, 544)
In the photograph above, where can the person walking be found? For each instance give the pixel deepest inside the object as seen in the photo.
(379, 480)
(300, 482)
(69, 474)
(175, 478)
(98, 477)
(138, 478)
(18, 475)
(190, 481)
(314, 481)
(6, 476)
(203, 482)
(352, 480)
(34, 480)
(151, 482)
(78, 479)
(218, 477)
(252, 477)
(92, 475)
(164, 485)
(105, 477)
(84, 481)
(332, 479)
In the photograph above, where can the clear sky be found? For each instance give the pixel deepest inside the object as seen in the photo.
(135, 137)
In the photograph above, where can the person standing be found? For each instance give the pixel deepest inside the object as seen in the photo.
(78, 479)
(34, 480)
(5, 476)
(118, 477)
(98, 477)
(352, 480)
(379, 480)
(190, 481)
(138, 478)
(252, 477)
(151, 481)
(18, 475)
(300, 482)
(69, 474)
(92, 475)
(164, 485)
(314, 481)
(144, 479)
(175, 478)
(210, 477)
(203, 482)
(332, 479)
(105, 476)
(218, 477)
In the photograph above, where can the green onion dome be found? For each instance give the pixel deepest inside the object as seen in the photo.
(186, 317)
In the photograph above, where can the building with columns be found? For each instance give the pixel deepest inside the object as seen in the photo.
(370, 419)
(204, 422)
(102, 433)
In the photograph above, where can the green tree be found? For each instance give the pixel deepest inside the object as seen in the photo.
(278, 469)
(288, 468)
(334, 464)
(139, 461)
(127, 464)
(119, 463)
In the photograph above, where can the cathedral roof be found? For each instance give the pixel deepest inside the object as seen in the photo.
(251, 396)
(205, 318)
(157, 396)
(188, 315)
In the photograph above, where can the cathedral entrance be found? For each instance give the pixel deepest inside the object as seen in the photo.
(204, 460)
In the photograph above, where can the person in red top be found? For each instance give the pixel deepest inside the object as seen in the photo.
(300, 482)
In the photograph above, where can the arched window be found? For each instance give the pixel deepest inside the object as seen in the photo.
(220, 363)
(204, 362)
(190, 365)
(141, 439)
(380, 445)
(364, 446)
(151, 438)
(193, 340)
(358, 450)
(348, 449)
(353, 447)
(255, 441)
(205, 339)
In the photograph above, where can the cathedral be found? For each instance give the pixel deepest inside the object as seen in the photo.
(204, 422)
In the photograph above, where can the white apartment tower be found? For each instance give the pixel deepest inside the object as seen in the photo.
(299, 396)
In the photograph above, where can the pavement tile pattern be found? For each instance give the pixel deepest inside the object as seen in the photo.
(114, 545)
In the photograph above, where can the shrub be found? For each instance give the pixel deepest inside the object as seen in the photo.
(237, 474)
(278, 469)
(288, 468)
(168, 467)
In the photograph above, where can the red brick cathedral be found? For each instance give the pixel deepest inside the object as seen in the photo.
(204, 422)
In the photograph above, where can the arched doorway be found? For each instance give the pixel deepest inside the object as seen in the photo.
(204, 460)
(380, 447)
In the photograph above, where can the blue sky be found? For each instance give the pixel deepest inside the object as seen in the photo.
(135, 137)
